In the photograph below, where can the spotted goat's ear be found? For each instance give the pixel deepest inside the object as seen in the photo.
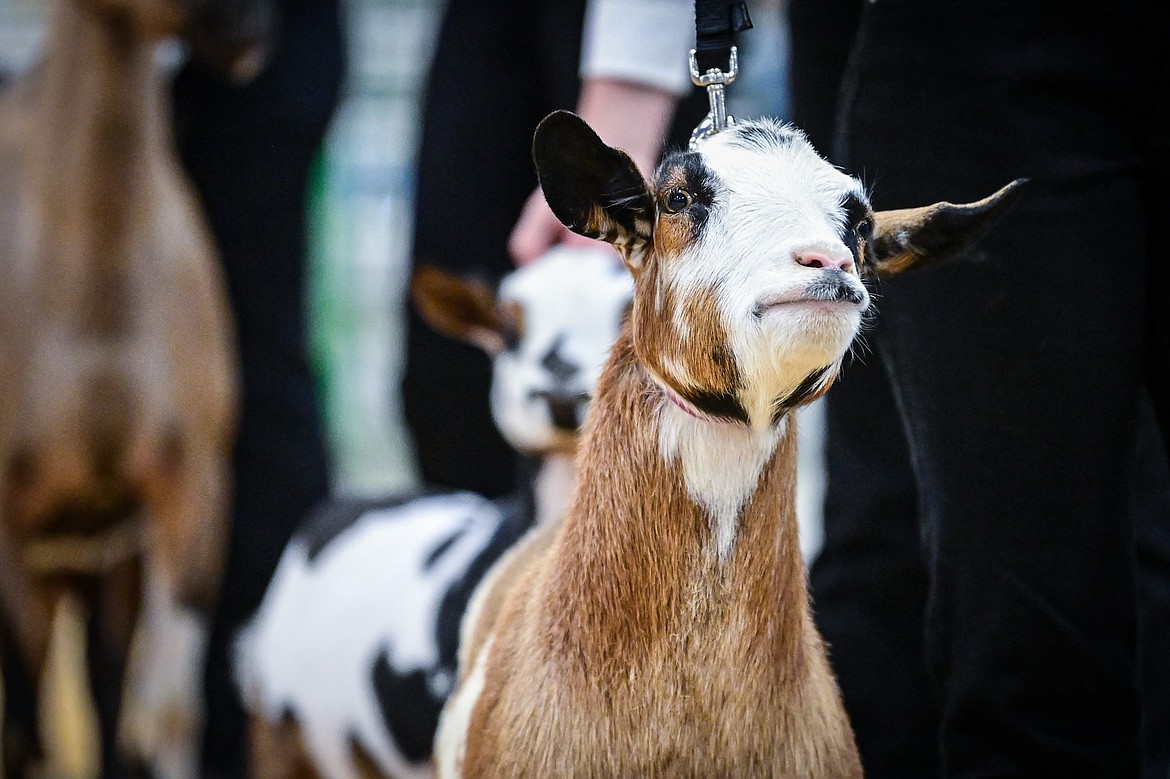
(914, 237)
(595, 190)
(459, 308)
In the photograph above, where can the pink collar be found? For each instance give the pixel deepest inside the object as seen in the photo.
(688, 408)
(676, 400)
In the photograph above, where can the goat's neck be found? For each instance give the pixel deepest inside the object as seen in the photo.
(681, 531)
(101, 95)
(102, 130)
(553, 487)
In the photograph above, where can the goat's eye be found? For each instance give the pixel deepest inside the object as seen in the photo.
(677, 200)
(863, 229)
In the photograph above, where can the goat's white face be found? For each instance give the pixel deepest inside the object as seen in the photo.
(549, 331)
(746, 254)
(561, 315)
(766, 241)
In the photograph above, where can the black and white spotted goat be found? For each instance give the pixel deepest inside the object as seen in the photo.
(353, 651)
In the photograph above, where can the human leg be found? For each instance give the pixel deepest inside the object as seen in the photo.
(249, 151)
(1152, 504)
(1017, 367)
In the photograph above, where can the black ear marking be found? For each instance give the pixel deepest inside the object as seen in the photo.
(593, 189)
(925, 236)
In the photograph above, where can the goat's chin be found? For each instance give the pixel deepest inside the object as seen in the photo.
(813, 319)
(800, 338)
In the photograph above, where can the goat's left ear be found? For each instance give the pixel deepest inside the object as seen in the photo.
(595, 190)
(914, 237)
(459, 308)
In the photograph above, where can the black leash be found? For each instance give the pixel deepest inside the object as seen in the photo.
(716, 24)
(715, 60)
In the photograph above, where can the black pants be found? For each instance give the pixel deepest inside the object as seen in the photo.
(1018, 372)
(249, 152)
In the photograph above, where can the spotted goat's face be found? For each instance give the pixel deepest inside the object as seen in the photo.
(549, 331)
(748, 254)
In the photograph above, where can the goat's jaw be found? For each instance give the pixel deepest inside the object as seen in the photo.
(526, 423)
(770, 324)
(778, 361)
(778, 350)
(783, 358)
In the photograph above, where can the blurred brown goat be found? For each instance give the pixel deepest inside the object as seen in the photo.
(117, 369)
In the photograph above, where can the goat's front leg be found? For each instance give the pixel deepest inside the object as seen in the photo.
(186, 499)
(20, 743)
(114, 603)
(25, 623)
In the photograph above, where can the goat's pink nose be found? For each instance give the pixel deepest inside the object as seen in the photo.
(812, 259)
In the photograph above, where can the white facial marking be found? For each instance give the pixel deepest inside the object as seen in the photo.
(773, 200)
(572, 299)
(681, 325)
(771, 203)
(720, 462)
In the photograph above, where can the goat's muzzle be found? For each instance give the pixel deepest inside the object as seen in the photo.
(566, 409)
(834, 286)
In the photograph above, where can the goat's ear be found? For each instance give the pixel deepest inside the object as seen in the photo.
(595, 190)
(914, 237)
(460, 308)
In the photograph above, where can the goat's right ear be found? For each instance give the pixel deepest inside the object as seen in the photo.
(914, 237)
(595, 190)
(459, 308)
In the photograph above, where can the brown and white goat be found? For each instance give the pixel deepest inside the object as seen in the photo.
(117, 374)
(663, 629)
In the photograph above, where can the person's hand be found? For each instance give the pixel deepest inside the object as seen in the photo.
(629, 116)
(538, 230)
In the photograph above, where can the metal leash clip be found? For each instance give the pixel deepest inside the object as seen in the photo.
(715, 80)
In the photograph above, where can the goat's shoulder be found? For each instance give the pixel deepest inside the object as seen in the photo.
(486, 606)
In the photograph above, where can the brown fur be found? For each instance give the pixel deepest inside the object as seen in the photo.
(278, 750)
(511, 315)
(702, 352)
(629, 649)
(673, 232)
(628, 644)
(116, 361)
(911, 237)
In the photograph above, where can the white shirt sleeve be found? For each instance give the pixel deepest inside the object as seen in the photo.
(644, 41)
